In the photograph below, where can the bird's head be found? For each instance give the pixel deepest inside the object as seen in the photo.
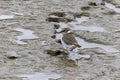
(66, 30)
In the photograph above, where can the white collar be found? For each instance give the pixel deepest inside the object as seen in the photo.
(69, 31)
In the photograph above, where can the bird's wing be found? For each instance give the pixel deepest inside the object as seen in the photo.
(69, 39)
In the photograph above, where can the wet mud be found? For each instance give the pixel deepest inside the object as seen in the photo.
(31, 47)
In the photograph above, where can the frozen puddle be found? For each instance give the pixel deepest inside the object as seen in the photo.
(40, 76)
(111, 6)
(85, 44)
(2, 17)
(26, 34)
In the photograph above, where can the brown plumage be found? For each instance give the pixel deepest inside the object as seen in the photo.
(69, 37)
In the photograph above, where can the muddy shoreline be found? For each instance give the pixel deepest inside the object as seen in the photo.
(30, 60)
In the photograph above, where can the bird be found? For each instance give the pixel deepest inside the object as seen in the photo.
(68, 39)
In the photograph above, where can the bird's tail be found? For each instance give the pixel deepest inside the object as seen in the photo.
(76, 44)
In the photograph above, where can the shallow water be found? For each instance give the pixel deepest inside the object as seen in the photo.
(26, 34)
(40, 76)
(111, 6)
(85, 44)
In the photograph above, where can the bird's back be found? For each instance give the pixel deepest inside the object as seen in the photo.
(69, 39)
